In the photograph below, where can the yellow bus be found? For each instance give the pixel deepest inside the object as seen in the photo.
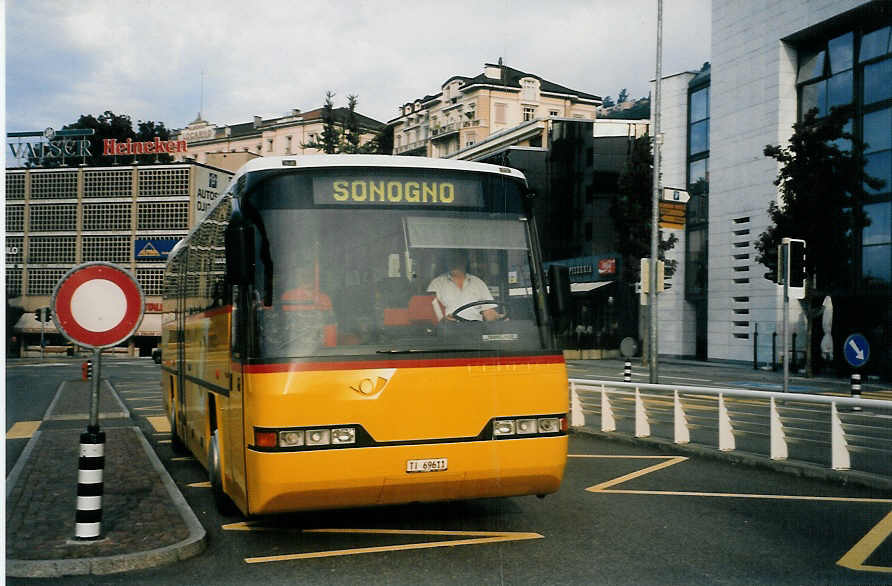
(311, 359)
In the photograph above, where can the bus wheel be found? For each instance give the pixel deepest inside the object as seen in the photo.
(223, 503)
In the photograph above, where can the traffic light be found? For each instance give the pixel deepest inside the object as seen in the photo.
(43, 314)
(38, 314)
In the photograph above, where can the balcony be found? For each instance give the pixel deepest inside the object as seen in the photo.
(445, 130)
(412, 146)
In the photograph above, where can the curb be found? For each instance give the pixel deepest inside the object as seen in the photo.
(193, 545)
(791, 467)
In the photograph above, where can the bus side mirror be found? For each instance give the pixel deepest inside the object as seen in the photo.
(239, 253)
(559, 296)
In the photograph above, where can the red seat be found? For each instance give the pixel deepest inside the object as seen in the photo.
(421, 309)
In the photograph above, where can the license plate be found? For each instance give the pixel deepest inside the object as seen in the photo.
(428, 465)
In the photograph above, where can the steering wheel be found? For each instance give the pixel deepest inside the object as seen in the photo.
(461, 308)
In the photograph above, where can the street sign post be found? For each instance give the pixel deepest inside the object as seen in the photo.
(97, 305)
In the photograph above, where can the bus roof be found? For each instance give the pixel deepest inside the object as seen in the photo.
(329, 161)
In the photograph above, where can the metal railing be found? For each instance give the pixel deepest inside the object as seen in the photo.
(837, 432)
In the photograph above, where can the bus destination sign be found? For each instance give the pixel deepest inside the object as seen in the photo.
(384, 192)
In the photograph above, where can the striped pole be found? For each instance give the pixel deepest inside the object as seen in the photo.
(856, 389)
(90, 466)
(627, 372)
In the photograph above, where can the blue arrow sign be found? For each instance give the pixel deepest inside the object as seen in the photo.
(856, 350)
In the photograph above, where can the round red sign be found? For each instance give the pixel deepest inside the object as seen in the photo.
(97, 305)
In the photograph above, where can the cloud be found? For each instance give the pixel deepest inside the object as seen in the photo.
(148, 58)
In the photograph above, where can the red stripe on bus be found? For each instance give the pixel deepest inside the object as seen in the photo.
(412, 363)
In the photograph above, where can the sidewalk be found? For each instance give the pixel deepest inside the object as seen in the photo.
(146, 522)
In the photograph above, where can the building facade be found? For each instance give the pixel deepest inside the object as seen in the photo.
(771, 63)
(231, 146)
(467, 110)
(130, 216)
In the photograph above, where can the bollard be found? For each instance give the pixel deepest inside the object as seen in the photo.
(627, 372)
(793, 354)
(90, 466)
(87, 370)
(856, 389)
(755, 346)
(774, 351)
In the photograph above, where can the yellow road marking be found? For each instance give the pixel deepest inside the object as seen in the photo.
(22, 429)
(205, 484)
(477, 538)
(160, 423)
(855, 557)
(618, 457)
(167, 441)
(627, 477)
(153, 408)
(182, 459)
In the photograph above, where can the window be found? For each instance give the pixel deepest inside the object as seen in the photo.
(529, 112)
(554, 113)
(287, 145)
(15, 186)
(164, 182)
(501, 111)
(43, 281)
(13, 282)
(107, 216)
(108, 183)
(698, 131)
(151, 280)
(54, 217)
(269, 145)
(163, 216)
(844, 70)
(54, 185)
(115, 249)
(15, 218)
(51, 250)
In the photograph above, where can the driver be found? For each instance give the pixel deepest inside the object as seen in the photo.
(456, 287)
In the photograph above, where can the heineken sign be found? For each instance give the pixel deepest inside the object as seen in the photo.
(58, 144)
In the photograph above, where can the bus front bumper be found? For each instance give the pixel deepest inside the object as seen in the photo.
(353, 477)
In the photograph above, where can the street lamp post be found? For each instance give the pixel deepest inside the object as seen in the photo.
(655, 211)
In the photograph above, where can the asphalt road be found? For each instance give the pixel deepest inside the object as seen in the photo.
(624, 515)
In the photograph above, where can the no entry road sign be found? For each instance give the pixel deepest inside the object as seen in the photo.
(97, 305)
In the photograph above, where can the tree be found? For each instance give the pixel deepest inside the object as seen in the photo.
(607, 102)
(631, 211)
(622, 96)
(819, 182)
(341, 131)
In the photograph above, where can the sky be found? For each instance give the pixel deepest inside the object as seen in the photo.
(166, 61)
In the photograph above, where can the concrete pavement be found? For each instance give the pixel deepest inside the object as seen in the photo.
(146, 522)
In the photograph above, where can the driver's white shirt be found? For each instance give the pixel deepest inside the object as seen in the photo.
(452, 297)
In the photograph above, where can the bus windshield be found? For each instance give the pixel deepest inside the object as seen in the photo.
(381, 281)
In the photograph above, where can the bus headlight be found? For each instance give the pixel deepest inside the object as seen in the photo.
(526, 426)
(503, 427)
(291, 439)
(318, 437)
(343, 435)
(549, 425)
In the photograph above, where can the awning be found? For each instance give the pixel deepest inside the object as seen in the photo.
(28, 324)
